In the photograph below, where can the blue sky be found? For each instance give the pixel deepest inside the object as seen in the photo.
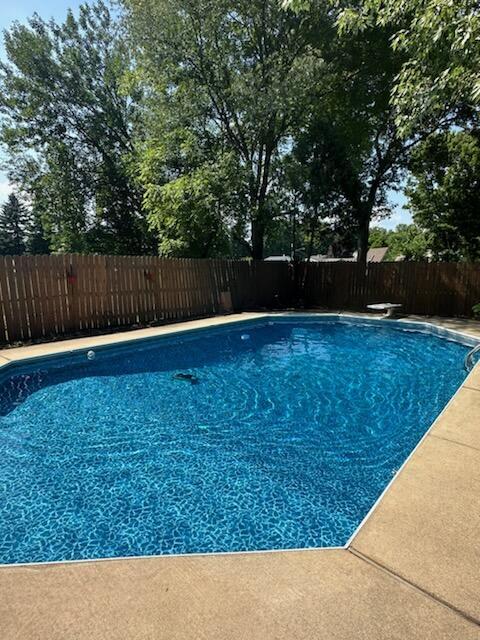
(399, 216)
(22, 9)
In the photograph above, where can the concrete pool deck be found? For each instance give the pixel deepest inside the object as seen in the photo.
(412, 570)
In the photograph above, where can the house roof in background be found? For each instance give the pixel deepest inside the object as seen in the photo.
(377, 255)
(373, 255)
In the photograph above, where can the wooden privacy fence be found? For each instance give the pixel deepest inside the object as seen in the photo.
(436, 288)
(42, 296)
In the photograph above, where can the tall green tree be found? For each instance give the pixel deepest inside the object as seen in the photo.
(408, 241)
(67, 124)
(233, 78)
(310, 173)
(13, 223)
(379, 237)
(439, 40)
(36, 242)
(355, 133)
(444, 193)
(436, 85)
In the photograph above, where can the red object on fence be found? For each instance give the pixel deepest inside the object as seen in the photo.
(148, 275)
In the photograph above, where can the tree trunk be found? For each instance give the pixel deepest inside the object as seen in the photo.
(258, 196)
(313, 228)
(362, 238)
(258, 239)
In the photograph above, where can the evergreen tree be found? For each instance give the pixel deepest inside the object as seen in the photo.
(13, 219)
(36, 242)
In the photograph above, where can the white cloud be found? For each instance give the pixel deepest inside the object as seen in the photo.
(5, 189)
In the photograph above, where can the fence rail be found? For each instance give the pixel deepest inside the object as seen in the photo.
(436, 288)
(43, 296)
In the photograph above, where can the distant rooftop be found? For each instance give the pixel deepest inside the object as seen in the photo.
(373, 255)
(377, 255)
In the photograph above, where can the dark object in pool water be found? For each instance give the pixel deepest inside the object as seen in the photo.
(189, 377)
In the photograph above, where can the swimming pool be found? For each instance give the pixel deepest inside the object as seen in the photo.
(280, 434)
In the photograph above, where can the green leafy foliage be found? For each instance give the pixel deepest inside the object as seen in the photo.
(406, 242)
(189, 212)
(233, 78)
(440, 42)
(217, 127)
(67, 126)
(378, 237)
(355, 134)
(444, 193)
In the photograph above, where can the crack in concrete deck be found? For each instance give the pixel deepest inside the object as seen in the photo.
(417, 587)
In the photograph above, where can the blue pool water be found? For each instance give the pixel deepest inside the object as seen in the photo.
(286, 441)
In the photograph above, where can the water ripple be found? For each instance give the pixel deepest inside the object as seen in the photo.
(285, 442)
